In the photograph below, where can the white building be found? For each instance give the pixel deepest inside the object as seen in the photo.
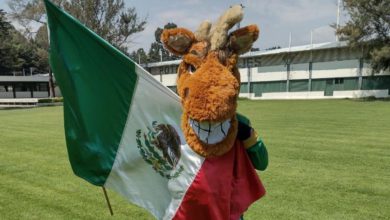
(326, 70)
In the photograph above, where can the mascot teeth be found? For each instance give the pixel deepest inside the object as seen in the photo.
(210, 132)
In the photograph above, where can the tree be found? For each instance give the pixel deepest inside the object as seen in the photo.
(17, 52)
(5, 58)
(369, 28)
(139, 56)
(4, 24)
(110, 19)
(41, 38)
(273, 48)
(42, 44)
(154, 52)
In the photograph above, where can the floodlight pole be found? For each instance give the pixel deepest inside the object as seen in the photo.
(311, 61)
(288, 63)
(249, 68)
(338, 18)
(107, 200)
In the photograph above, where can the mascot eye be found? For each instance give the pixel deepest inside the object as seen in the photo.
(191, 69)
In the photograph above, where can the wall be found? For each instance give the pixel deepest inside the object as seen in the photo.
(6, 95)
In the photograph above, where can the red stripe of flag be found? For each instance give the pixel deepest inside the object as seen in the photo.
(223, 189)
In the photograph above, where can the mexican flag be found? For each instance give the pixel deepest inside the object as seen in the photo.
(122, 130)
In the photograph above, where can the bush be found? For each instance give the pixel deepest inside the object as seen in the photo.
(50, 100)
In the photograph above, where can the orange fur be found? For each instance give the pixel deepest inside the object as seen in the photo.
(213, 92)
(210, 92)
(241, 40)
(253, 29)
(177, 40)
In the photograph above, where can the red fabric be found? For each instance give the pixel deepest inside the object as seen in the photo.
(223, 188)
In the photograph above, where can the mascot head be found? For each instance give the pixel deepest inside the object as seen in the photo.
(208, 80)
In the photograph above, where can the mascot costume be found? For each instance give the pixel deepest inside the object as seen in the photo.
(208, 83)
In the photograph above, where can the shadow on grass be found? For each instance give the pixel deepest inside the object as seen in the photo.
(9, 108)
(370, 99)
(4, 108)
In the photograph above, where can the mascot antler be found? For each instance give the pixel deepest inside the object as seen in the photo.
(219, 31)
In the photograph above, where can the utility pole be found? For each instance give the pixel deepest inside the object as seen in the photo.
(288, 64)
(249, 75)
(311, 61)
(338, 18)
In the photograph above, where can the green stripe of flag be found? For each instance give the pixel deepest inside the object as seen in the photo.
(97, 82)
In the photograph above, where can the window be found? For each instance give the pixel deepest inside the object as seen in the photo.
(172, 69)
(41, 87)
(339, 81)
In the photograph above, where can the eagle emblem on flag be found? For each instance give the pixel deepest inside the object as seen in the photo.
(159, 146)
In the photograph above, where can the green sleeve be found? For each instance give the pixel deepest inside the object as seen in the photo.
(258, 155)
(241, 118)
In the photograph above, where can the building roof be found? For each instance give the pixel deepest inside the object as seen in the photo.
(165, 63)
(33, 78)
(319, 46)
(308, 47)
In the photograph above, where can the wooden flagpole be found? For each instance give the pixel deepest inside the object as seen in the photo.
(108, 201)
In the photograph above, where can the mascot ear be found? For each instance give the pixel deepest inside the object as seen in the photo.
(178, 40)
(240, 41)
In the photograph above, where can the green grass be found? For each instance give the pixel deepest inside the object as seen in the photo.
(329, 159)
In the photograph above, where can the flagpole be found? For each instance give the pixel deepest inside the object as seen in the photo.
(107, 200)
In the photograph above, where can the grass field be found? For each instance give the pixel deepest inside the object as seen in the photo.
(329, 159)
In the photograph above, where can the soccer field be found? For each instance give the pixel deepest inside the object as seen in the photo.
(329, 159)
